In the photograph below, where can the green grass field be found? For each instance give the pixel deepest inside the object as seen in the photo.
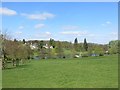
(91, 72)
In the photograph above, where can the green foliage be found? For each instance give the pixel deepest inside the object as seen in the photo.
(84, 54)
(67, 45)
(1, 43)
(35, 53)
(52, 42)
(16, 51)
(85, 45)
(113, 47)
(24, 41)
(11, 49)
(119, 46)
(96, 49)
(59, 50)
(42, 50)
(40, 45)
(52, 54)
(76, 41)
(69, 54)
(99, 51)
(76, 46)
(43, 53)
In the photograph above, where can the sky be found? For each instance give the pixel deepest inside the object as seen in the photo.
(65, 21)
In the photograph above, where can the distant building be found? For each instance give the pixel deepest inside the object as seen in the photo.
(46, 46)
(33, 46)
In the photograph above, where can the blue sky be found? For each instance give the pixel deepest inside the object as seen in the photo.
(97, 22)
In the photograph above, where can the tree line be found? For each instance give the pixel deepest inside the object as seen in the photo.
(64, 49)
(19, 52)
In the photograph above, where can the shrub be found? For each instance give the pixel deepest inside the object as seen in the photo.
(84, 54)
(68, 54)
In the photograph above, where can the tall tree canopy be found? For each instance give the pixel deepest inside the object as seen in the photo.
(23, 41)
(113, 47)
(52, 42)
(85, 45)
(76, 46)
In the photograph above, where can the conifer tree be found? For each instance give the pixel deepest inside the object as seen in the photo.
(76, 45)
(85, 45)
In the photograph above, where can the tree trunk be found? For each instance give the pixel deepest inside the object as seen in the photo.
(17, 62)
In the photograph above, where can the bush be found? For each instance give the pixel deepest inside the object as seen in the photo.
(84, 54)
(68, 54)
(101, 53)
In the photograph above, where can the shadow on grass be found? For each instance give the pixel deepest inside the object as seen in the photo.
(23, 66)
(17, 67)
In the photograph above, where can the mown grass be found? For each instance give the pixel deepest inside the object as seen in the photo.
(91, 72)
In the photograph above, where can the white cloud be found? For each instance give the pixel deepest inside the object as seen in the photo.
(114, 33)
(78, 33)
(39, 26)
(91, 35)
(6, 11)
(18, 32)
(70, 27)
(47, 33)
(103, 24)
(20, 27)
(43, 35)
(42, 16)
(106, 23)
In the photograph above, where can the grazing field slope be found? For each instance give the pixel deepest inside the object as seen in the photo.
(90, 72)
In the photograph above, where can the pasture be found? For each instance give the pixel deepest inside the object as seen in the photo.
(89, 72)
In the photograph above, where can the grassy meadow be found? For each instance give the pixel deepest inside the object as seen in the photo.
(90, 72)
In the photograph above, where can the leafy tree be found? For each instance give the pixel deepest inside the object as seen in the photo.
(41, 44)
(59, 50)
(113, 47)
(42, 49)
(119, 46)
(15, 52)
(66, 45)
(52, 42)
(25, 53)
(98, 51)
(1, 45)
(10, 51)
(49, 51)
(69, 53)
(85, 54)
